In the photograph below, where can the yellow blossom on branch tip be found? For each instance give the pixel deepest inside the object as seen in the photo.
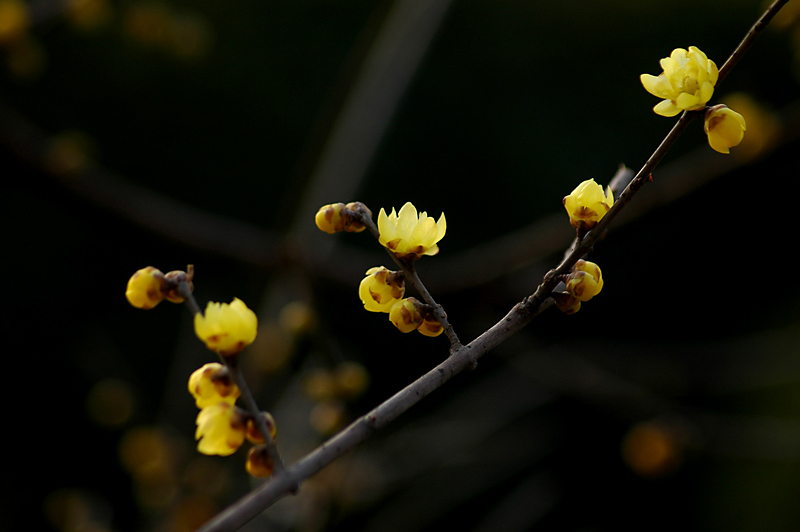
(587, 204)
(381, 289)
(212, 384)
(725, 128)
(686, 83)
(220, 429)
(226, 328)
(410, 235)
(146, 288)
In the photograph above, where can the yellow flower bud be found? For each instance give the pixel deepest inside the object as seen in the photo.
(430, 326)
(226, 328)
(351, 379)
(212, 384)
(724, 127)
(220, 429)
(146, 288)
(410, 235)
(259, 464)
(338, 217)
(586, 205)
(585, 281)
(406, 314)
(686, 83)
(381, 289)
(254, 435)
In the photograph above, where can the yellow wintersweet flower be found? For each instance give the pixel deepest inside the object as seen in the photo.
(724, 127)
(226, 328)
(212, 384)
(686, 84)
(221, 429)
(146, 288)
(405, 314)
(587, 204)
(410, 236)
(585, 281)
(381, 289)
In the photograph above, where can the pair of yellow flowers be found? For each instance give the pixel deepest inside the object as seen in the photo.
(687, 84)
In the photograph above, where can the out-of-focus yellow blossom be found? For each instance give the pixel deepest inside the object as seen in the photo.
(89, 15)
(221, 429)
(26, 58)
(430, 326)
(226, 328)
(254, 435)
(406, 314)
(724, 127)
(652, 449)
(381, 289)
(585, 281)
(586, 205)
(410, 235)
(259, 464)
(335, 217)
(212, 384)
(686, 84)
(14, 20)
(327, 417)
(788, 16)
(148, 22)
(763, 126)
(346, 381)
(146, 288)
(351, 379)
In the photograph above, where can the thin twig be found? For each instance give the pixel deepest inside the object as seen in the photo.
(748, 40)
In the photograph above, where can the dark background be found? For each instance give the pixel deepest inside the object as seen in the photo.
(121, 150)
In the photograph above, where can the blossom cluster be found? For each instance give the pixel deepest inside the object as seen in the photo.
(687, 84)
(226, 329)
(408, 235)
(382, 290)
(222, 427)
